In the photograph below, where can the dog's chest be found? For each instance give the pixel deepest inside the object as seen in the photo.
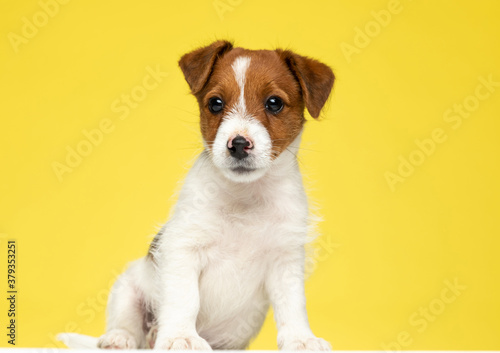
(245, 235)
(232, 281)
(249, 226)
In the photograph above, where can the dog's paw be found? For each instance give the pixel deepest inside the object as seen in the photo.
(195, 343)
(117, 339)
(306, 344)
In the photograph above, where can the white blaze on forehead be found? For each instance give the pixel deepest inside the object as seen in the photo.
(240, 66)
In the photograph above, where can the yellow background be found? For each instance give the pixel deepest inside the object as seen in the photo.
(392, 250)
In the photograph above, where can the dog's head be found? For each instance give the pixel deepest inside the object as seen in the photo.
(252, 103)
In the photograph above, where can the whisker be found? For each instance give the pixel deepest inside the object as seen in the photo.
(186, 111)
(190, 148)
(303, 149)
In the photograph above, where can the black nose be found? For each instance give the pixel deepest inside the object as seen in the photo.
(238, 146)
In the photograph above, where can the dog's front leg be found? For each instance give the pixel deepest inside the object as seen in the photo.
(285, 286)
(180, 302)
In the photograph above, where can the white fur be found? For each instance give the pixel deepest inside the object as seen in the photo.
(229, 250)
(240, 67)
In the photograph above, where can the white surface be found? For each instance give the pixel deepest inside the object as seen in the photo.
(48, 350)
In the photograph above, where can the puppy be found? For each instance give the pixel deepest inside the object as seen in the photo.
(234, 243)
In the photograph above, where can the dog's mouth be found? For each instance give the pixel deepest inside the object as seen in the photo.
(242, 170)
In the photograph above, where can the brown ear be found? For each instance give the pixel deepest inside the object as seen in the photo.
(197, 65)
(315, 79)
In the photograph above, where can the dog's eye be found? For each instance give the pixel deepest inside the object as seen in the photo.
(215, 105)
(274, 105)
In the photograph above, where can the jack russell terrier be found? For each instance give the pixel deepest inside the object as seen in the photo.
(235, 242)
